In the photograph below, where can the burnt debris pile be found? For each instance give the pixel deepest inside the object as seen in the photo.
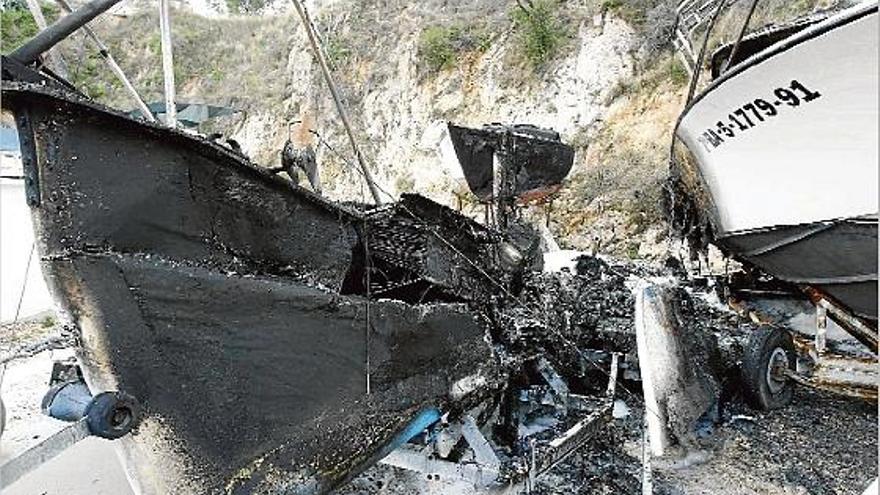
(569, 314)
(419, 251)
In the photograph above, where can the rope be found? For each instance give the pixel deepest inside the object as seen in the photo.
(24, 282)
(368, 302)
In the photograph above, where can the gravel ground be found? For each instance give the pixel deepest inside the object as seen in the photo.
(819, 445)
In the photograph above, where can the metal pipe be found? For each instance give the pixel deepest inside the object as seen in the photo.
(111, 62)
(699, 62)
(167, 64)
(53, 55)
(61, 29)
(847, 321)
(307, 23)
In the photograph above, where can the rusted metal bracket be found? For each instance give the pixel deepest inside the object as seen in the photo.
(851, 324)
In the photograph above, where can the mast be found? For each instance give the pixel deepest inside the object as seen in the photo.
(340, 108)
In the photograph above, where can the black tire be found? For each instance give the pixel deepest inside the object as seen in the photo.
(112, 414)
(761, 390)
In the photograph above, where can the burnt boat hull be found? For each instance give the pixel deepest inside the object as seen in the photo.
(210, 291)
(537, 158)
(782, 158)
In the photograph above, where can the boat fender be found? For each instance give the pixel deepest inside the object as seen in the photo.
(112, 415)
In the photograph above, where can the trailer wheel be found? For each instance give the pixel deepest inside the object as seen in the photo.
(769, 352)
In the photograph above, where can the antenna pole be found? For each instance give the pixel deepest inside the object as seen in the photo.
(313, 41)
(167, 64)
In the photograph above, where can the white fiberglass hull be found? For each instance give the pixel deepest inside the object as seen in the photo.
(786, 146)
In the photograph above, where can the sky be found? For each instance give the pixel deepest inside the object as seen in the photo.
(8, 139)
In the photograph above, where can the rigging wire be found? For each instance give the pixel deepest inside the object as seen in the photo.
(742, 32)
(367, 324)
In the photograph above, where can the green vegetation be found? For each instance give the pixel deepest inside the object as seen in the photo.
(667, 70)
(405, 182)
(48, 322)
(337, 50)
(17, 25)
(541, 32)
(440, 46)
(244, 6)
(91, 76)
(436, 47)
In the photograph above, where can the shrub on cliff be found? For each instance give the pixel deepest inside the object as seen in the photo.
(540, 31)
(440, 46)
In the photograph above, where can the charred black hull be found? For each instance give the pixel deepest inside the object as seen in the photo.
(210, 290)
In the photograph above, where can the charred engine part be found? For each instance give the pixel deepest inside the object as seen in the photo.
(296, 159)
(298, 154)
(591, 308)
(504, 164)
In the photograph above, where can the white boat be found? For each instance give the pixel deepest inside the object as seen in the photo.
(782, 168)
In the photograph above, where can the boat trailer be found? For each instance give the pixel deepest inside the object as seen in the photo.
(776, 358)
(551, 423)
